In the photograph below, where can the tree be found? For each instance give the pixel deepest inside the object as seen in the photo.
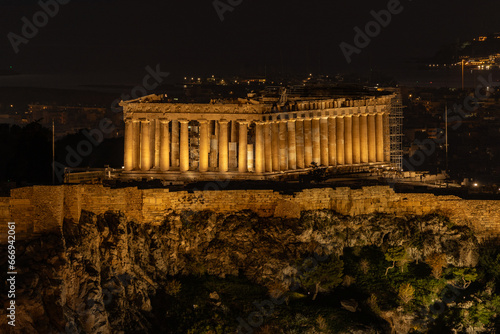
(364, 266)
(396, 254)
(436, 262)
(406, 292)
(463, 277)
(490, 259)
(173, 288)
(326, 275)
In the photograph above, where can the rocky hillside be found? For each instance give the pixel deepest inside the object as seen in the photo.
(108, 274)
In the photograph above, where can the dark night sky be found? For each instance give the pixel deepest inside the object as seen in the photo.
(111, 41)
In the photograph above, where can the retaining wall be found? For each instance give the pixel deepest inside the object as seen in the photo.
(39, 209)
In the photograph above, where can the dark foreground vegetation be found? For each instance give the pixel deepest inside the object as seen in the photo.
(368, 290)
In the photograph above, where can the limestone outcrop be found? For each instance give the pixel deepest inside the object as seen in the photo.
(106, 272)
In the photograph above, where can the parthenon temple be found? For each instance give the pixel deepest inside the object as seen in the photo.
(248, 139)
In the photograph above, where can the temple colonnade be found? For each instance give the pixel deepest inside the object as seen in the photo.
(257, 143)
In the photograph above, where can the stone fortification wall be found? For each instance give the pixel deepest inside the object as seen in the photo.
(43, 208)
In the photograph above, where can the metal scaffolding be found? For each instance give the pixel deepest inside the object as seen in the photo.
(396, 131)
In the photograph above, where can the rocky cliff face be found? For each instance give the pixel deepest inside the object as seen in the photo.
(107, 273)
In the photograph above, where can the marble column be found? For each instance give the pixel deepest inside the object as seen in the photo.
(211, 129)
(379, 128)
(250, 158)
(184, 146)
(234, 137)
(223, 146)
(387, 138)
(283, 146)
(348, 140)
(372, 139)
(316, 139)
(324, 141)
(164, 146)
(233, 156)
(308, 155)
(268, 147)
(175, 143)
(363, 134)
(356, 140)
(129, 145)
(145, 145)
(340, 140)
(275, 145)
(299, 131)
(213, 135)
(136, 151)
(259, 147)
(292, 145)
(204, 145)
(157, 143)
(332, 141)
(242, 150)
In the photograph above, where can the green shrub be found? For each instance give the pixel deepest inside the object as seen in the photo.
(462, 277)
(326, 275)
(396, 255)
(173, 288)
(482, 313)
(406, 292)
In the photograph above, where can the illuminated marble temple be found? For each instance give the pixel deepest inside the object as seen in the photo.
(249, 139)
